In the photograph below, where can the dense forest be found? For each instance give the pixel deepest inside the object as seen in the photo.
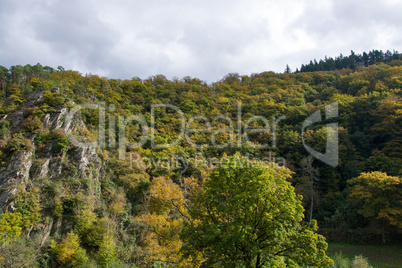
(352, 61)
(76, 189)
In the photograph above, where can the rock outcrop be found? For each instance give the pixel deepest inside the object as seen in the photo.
(78, 160)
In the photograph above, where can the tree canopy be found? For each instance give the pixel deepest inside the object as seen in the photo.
(250, 217)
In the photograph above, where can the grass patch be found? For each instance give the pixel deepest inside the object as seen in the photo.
(387, 256)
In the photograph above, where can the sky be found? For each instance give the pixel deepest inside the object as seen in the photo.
(202, 39)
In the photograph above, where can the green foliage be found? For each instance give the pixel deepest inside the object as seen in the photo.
(380, 195)
(107, 251)
(69, 252)
(58, 207)
(128, 212)
(21, 252)
(4, 129)
(32, 123)
(61, 144)
(251, 217)
(11, 226)
(87, 226)
(20, 143)
(54, 99)
(341, 261)
(27, 202)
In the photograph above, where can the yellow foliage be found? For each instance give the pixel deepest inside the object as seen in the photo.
(165, 195)
(164, 221)
(69, 252)
(381, 196)
(10, 226)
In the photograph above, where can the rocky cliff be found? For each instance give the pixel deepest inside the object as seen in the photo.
(43, 151)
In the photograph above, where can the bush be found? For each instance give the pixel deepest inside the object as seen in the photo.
(10, 226)
(61, 144)
(20, 143)
(4, 128)
(35, 111)
(32, 123)
(69, 252)
(21, 253)
(88, 227)
(38, 84)
(60, 141)
(27, 89)
(360, 262)
(341, 261)
(107, 250)
(54, 99)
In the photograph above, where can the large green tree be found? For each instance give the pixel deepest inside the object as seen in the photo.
(248, 215)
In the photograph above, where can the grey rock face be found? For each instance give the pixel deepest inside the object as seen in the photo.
(80, 160)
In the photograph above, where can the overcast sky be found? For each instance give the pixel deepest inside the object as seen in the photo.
(204, 39)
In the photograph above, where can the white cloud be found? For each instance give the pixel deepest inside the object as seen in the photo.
(205, 39)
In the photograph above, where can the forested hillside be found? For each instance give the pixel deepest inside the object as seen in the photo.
(144, 171)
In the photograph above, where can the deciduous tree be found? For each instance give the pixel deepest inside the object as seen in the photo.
(380, 195)
(251, 217)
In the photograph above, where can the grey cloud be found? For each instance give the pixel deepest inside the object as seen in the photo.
(73, 28)
(207, 39)
(351, 19)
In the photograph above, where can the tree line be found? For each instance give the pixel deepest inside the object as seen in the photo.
(350, 62)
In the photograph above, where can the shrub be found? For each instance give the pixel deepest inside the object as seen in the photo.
(37, 84)
(107, 250)
(35, 111)
(58, 207)
(61, 144)
(341, 261)
(32, 123)
(15, 99)
(4, 128)
(10, 226)
(27, 89)
(360, 262)
(54, 99)
(88, 227)
(21, 252)
(20, 143)
(27, 202)
(69, 252)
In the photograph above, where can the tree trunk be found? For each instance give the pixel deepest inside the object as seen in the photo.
(383, 232)
(312, 200)
(258, 263)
